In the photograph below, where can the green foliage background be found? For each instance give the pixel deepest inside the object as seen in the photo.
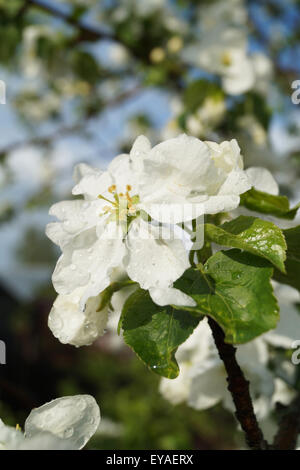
(38, 367)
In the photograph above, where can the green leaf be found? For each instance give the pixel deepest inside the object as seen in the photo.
(198, 91)
(265, 203)
(155, 333)
(252, 234)
(233, 288)
(292, 276)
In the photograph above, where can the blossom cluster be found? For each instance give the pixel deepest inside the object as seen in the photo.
(118, 230)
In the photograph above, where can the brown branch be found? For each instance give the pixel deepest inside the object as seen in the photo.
(63, 131)
(289, 427)
(239, 389)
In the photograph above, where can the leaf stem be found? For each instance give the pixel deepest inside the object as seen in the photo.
(239, 389)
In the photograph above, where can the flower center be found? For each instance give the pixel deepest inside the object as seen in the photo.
(226, 59)
(123, 207)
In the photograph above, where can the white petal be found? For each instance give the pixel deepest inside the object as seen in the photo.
(90, 264)
(236, 183)
(141, 144)
(154, 259)
(76, 217)
(45, 441)
(10, 438)
(174, 168)
(74, 419)
(92, 184)
(140, 148)
(81, 170)
(176, 213)
(171, 296)
(71, 325)
(262, 180)
(216, 204)
(226, 155)
(121, 171)
(66, 276)
(287, 330)
(176, 390)
(239, 77)
(208, 385)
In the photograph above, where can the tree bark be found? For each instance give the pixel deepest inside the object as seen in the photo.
(239, 389)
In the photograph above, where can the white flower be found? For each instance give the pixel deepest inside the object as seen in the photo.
(186, 173)
(223, 51)
(262, 180)
(176, 181)
(202, 379)
(64, 423)
(101, 232)
(229, 13)
(72, 325)
(263, 69)
(287, 330)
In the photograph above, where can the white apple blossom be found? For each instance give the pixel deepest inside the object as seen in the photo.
(230, 13)
(202, 379)
(288, 328)
(66, 423)
(223, 51)
(72, 325)
(176, 181)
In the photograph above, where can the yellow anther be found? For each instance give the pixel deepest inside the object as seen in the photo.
(128, 187)
(226, 59)
(121, 194)
(112, 188)
(18, 427)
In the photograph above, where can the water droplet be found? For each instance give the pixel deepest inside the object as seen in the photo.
(68, 433)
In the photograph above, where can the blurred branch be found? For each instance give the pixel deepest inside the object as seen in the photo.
(88, 33)
(239, 389)
(289, 427)
(45, 140)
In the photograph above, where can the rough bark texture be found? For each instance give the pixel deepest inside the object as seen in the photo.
(289, 427)
(239, 389)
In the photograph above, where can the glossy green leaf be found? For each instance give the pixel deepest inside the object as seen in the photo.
(292, 276)
(252, 234)
(265, 203)
(234, 288)
(154, 333)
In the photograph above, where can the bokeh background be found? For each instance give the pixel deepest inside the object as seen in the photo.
(83, 79)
